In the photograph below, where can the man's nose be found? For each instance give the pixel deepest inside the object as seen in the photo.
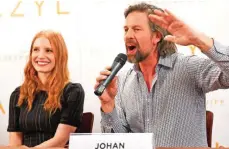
(129, 34)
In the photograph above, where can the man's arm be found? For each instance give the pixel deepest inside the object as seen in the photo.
(181, 33)
(115, 121)
(112, 110)
(210, 74)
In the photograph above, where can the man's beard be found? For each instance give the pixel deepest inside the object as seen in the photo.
(138, 57)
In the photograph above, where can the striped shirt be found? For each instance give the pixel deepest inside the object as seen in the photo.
(175, 108)
(37, 125)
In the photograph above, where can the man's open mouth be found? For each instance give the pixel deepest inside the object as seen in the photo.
(131, 48)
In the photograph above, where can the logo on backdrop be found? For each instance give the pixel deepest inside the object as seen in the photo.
(18, 5)
(13, 57)
(215, 102)
(193, 49)
(1, 108)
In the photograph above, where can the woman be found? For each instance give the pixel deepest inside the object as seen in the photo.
(46, 108)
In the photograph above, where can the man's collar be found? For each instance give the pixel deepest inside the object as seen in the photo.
(167, 61)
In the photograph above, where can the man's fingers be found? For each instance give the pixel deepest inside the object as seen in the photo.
(159, 12)
(163, 19)
(105, 72)
(103, 75)
(108, 67)
(167, 16)
(113, 82)
(101, 78)
(171, 15)
(158, 20)
(96, 85)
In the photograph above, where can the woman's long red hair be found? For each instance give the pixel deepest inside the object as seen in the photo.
(57, 80)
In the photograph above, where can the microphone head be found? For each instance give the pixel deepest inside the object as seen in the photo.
(121, 58)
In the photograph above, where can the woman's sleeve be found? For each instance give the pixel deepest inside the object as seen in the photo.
(14, 112)
(72, 107)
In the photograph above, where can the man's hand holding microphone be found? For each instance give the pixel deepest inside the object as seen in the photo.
(106, 83)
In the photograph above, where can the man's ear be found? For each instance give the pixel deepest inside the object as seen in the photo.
(157, 37)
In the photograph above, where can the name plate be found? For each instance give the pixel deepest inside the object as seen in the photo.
(111, 141)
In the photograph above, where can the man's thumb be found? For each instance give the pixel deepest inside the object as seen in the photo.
(170, 38)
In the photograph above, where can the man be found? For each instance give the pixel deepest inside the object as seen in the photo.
(164, 92)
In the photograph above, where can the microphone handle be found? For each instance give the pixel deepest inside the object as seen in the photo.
(100, 89)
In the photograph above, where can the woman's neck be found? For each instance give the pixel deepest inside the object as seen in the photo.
(43, 78)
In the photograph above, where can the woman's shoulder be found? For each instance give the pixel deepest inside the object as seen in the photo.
(15, 94)
(73, 89)
(16, 91)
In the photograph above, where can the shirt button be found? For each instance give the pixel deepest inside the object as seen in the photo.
(147, 120)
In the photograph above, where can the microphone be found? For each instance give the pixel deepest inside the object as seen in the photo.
(118, 63)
